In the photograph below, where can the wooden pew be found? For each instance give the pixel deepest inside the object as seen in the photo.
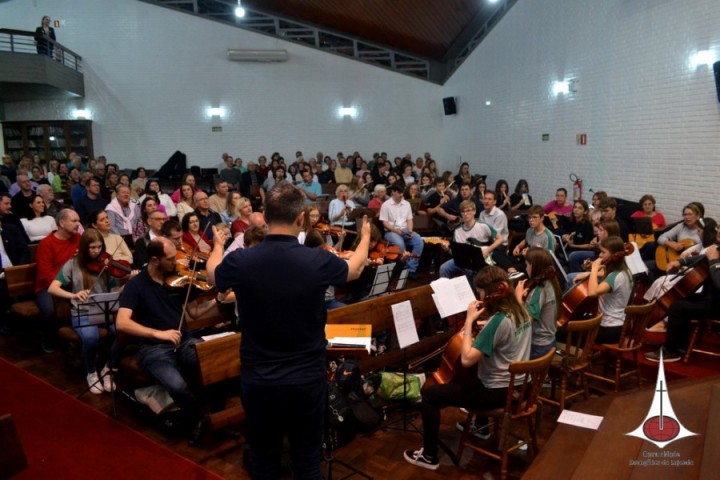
(21, 283)
(378, 313)
(219, 360)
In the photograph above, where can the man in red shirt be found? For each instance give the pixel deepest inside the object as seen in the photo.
(52, 253)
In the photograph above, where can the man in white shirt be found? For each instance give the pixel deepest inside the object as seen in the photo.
(493, 216)
(397, 218)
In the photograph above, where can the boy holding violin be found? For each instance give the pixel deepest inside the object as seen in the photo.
(505, 338)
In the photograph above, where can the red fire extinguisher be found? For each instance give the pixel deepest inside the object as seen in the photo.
(577, 187)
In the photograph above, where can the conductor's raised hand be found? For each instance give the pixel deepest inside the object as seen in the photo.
(365, 230)
(219, 236)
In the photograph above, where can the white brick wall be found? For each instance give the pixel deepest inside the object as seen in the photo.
(652, 123)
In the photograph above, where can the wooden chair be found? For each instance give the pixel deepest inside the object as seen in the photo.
(636, 320)
(21, 283)
(12, 454)
(573, 360)
(219, 360)
(520, 406)
(700, 328)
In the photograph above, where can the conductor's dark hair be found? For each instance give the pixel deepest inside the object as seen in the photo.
(283, 204)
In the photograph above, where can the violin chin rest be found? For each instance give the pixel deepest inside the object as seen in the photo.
(180, 281)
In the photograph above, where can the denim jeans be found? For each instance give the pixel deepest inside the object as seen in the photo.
(90, 338)
(415, 241)
(163, 362)
(450, 270)
(46, 306)
(576, 259)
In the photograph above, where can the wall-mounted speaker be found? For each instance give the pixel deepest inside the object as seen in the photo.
(716, 70)
(451, 108)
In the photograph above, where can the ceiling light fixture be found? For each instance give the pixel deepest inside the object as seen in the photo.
(239, 11)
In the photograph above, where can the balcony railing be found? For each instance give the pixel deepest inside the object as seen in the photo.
(23, 41)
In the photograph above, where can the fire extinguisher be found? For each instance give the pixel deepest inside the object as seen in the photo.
(577, 187)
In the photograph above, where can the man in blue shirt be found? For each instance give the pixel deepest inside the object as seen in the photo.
(310, 188)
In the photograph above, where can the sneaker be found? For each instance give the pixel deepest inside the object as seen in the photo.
(514, 276)
(107, 380)
(94, 383)
(482, 432)
(416, 457)
(48, 346)
(667, 356)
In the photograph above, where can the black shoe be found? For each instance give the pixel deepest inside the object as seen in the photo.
(48, 346)
(667, 356)
(412, 275)
(197, 433)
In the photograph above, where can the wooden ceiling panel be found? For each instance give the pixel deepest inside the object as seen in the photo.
(423, 27)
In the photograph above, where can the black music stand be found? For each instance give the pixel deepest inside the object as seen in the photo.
(99, 308)
(468, 256)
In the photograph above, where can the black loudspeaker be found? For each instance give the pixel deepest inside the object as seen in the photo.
(716, 70)
(451, 108)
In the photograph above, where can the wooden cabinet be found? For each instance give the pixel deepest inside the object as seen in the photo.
(48, 139)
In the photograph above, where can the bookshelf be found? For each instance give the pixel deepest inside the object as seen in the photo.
(48, 139)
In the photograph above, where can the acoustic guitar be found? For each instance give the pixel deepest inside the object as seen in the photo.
(664, 255)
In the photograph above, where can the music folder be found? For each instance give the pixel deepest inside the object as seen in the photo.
(355, 336)
(467, 256)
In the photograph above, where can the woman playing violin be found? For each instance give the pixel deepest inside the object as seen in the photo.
(506, 338)
(114, 244)
(540, 295)
(611, 282)
(193, 238)
(76, 274)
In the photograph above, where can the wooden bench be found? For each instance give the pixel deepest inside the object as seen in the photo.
(378, 313)
(218, 361)
(21, 283)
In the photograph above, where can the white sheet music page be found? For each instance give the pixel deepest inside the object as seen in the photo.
(455, 294)
(580, 419)
(404, 323)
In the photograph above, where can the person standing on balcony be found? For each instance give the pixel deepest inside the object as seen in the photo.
(43, 34)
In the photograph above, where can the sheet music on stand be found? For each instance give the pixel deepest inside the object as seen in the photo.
(452, 295)
(404, 324)
(97, 307)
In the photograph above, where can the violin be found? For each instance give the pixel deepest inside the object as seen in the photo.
(185, 276)
(390, 252)
(105, 263)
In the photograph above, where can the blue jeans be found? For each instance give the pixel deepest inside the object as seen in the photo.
(47, 314)
(576, 259)
(537, 351)
(415, 242)
(450, 270)
(90, 338)
(275, 410)
(163, 362)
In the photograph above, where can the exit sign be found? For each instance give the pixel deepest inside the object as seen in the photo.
(217, 129)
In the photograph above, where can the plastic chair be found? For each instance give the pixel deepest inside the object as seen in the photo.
(520, 406)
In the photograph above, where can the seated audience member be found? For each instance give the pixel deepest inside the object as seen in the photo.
(559, 206)
(194, 238)
(230, 174)
(52, 206)
(13, 251)
(506, 338)
(646, 241)
(242, 222)
(494, 216)
(279, 177)
(114, 244)
(521, 199)
(187, 179)
(62, 179)
(439, 197)
(230, 212)
(412, 195)
(152, 186)
(464, 175)
(138, 185)
(314, 239)
(474, 233)
(251, 182)
(340, 208)
(52, 253)
(608, 210)
(541, 301)
(122, 212)
(397, 218)
(218, 200)
(186, 203)
(379, 197)
(450, 210)
(611, 282)
(37, 224)
(75, 282)
(151, 312)
(502, 193)
(148, 206)
(207, 217)
(91, 201)
(256, 221)
(343, 174)
(155, 221)
(360, 189)
(698, 306)
(537, 235)
(310, 187)
(578, 233)
(22, 198)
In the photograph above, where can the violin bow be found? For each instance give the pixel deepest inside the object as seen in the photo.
(192, 275)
